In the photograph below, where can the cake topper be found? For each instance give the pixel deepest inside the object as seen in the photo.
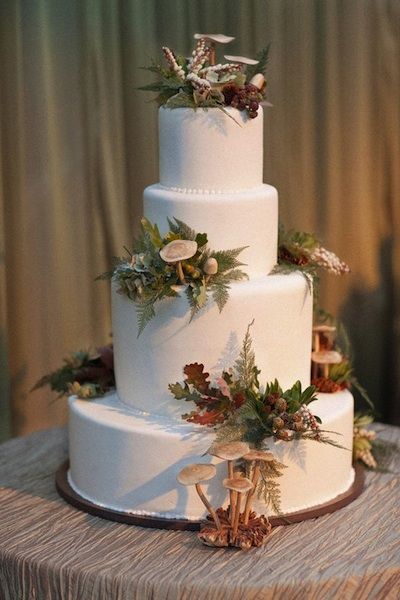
(201, 82)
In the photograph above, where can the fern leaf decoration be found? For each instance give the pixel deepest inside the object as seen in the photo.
(145, 312)
(220, 294)
(261, 66)
(268, 488)
(245, 365)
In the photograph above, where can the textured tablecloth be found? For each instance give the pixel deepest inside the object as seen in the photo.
(49, 550)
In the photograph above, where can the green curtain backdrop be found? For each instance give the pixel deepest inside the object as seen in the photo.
(78, 143)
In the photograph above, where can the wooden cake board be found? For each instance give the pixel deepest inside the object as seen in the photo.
(66, 492)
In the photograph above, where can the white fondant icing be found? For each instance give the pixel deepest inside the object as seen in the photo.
(249, 219)
(207, 149)
(126, 461)
(281, 306)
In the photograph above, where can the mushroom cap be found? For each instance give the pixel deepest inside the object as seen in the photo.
(238, 484)
(258, 80)
(259, 455)
(324, 357)
(324, 329)
(211, 266)
(214, 37)
(241, 59)
(195, 473)
(178, 250)
(229, 450)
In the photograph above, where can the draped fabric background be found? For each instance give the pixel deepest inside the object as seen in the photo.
(78, 143)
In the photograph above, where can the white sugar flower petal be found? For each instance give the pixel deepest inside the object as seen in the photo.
(242, 59)
(214, 37)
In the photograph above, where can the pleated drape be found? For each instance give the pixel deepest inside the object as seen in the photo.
(78, 143)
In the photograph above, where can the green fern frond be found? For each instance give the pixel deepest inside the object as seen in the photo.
(220, 294)
(145, 312)
(261, 66)
(227, 259)
(245, 365)
(184, 230)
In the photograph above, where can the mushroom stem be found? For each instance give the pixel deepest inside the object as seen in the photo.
(316, 342)
(326, 370)
(180, 273)
(235, 526)
(208, 507)
(250, 494)
(212, 53)
(231, 492)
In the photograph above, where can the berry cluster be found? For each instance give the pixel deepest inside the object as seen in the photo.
(246, 97)
(286, 425)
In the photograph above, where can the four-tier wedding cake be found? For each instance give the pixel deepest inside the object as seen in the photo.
(127, 448)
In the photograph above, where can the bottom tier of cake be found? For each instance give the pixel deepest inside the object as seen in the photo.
(128, 461)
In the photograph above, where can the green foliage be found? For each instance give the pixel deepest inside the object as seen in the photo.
(245, 366)
(261, 67)
(294, 254)
(220, 294)
(84, 374)
(268, 488)
(146, 279)
(182, 99)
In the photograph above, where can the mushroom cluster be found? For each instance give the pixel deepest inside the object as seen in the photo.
(178, 252)
(237, 525)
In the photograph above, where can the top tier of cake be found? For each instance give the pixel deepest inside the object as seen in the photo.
(206, 151)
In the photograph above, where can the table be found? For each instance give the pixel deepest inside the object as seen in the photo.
(51, 551)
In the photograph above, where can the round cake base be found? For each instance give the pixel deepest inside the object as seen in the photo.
(66, 492)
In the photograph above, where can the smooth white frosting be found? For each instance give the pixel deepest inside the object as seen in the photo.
(128, 461)
(249, 218)
(210, 149)
(281, 306)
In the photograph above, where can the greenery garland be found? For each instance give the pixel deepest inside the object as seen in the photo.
(145, 277)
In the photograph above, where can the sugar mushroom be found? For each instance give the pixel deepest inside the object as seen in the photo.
(256, 457)
(243, 60)
(317, 330)
(238, 486)
(326, 358)
(176, 251)
(210, 267)
(230, 451)
(194, 474)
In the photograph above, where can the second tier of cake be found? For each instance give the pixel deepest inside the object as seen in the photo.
(280, 305)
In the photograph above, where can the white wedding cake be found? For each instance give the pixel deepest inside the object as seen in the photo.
(127, 448)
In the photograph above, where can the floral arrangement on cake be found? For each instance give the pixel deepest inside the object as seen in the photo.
(199, 82)
(302, 251)
(161, 266)
(332, 358)
(240, 409)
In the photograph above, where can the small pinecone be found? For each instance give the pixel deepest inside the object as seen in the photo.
(278, 423)
(281, 405)
(285, 434)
